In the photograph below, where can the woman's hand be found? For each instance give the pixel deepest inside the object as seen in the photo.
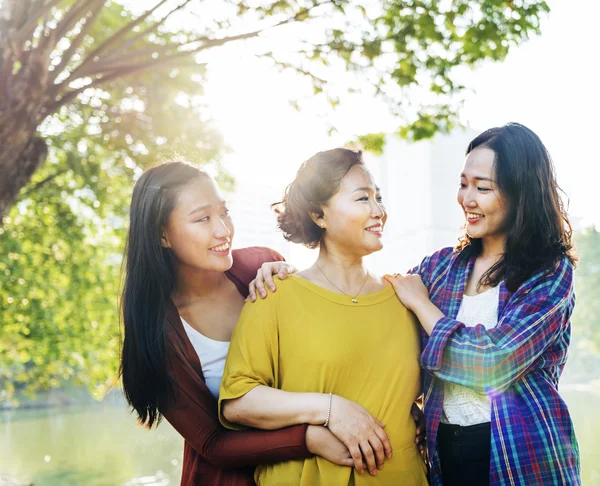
(264, 277)
(414, 295)
(410, 290)
(361, 433)
(321, 442)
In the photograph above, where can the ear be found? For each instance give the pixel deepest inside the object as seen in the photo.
(164, 238)
(318, 219)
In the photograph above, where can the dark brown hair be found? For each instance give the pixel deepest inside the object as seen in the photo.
(539, 233)
(316, 182)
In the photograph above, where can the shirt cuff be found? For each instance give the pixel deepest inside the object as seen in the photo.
(431, 358)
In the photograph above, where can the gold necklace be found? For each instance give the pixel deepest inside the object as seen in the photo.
(354, 299)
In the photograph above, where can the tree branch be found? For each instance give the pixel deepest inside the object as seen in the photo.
(109, 76)
(77, 41)
(109, 72)
(129, 42)
(25, 32)
(72, 17)
(112, 63)
(285, 65)
(116, 37)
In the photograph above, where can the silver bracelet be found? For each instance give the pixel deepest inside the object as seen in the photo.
(328, 411)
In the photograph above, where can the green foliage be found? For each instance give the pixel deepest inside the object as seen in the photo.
(113, 109)
(586, 317)
(422, 44)
(63, 240)
(403, 47)
(374, 142)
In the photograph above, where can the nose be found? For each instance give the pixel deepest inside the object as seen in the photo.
(377, 210)
(469, 197)
(221, 230)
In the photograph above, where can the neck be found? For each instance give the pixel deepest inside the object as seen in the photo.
(493, 247)
(340, 268)
(193, 284)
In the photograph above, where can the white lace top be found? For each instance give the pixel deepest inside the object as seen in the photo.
(462, 405)
(212, 356)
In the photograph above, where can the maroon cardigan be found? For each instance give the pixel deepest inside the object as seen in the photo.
(213, 455)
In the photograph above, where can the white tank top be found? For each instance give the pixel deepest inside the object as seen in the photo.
(462, 405)
(212, 356)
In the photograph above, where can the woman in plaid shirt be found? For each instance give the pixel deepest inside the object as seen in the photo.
(496, 312)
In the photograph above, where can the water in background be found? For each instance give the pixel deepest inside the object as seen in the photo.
(101, 445)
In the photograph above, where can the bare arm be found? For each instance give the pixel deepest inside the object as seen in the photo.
(267, 408)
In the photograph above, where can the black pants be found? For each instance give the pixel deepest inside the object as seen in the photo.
(465, 454)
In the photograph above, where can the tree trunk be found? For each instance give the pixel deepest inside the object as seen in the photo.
(23, 106)
(17, 166)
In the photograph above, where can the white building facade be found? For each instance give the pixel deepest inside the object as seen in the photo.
(418, 183)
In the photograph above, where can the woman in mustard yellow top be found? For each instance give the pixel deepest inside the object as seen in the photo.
(331, 333)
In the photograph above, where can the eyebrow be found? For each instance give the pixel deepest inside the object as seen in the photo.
(365, 188)
(206, 206)
(198, 209)
(479, 178)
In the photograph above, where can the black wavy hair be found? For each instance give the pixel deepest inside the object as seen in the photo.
(318, 179)
(539, 232)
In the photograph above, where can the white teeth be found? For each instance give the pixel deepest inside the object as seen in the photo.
(377, 228)
(474, 215)
(220, 248)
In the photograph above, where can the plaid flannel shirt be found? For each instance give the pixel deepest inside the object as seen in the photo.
(517, 363)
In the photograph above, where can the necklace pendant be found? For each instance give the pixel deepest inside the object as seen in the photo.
(355, 301)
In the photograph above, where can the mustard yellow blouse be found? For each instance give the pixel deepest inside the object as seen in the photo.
(304, 338)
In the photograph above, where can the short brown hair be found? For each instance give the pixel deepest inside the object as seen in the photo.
(316, 182)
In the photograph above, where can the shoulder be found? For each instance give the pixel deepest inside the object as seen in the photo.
(253, 257)
(436, 262)
(247, 261)
(556, 280)
(443, 255)
(262, 313)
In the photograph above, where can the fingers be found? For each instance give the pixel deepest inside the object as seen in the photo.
(284, 271)
(348, 462)
(369, 456)
(252, 291)
(385, 441)
(260, 283)
(269, 281)
(378, 450)
(357, 458)
(391, 279)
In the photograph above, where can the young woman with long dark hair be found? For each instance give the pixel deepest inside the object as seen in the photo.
(183, 292)
(496, 314)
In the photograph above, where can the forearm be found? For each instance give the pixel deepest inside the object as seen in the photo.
(267, 408)
(428, 315)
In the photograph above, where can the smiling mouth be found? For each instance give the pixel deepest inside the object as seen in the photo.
(220, 248)
(472, 216)
(376, 228)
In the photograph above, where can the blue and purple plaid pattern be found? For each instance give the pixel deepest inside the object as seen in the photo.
(517, 363)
